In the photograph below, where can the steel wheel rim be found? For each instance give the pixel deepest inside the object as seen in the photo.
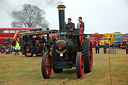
(48, 68)
(82, 65)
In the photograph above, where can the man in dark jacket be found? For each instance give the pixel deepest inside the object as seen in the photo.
(105, 46)
(97, 46)
(80, 21)
(70, 26)
(126, 47)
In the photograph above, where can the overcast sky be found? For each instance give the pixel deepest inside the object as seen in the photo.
(100, 16)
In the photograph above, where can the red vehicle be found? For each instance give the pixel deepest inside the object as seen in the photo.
(123, 41)
(94, 37)
(7, 34)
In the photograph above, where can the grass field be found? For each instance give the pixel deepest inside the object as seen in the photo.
(20, 70)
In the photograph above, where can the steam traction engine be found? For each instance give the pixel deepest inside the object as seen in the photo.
(71, 49)
(35, 41)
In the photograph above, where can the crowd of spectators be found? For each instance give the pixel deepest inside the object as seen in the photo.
(10, 49)
(6, 49)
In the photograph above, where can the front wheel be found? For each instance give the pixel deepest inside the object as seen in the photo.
(46, 67)
(79, 65)
(39, 51)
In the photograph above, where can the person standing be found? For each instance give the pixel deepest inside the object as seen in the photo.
(126, 47)
(70, 26)
(11, 49)
(17, 48)
(2, 50)
(82, 23)
(105, 46)
(7, 50)
(97, 46)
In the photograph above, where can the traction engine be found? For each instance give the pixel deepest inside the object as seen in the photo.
(71, 49)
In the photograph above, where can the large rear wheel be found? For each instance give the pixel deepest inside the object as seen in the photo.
(79, 65)
(46, 67)
(28, 50)
(88, 55)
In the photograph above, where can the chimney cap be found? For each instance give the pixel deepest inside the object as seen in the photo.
(61, 7)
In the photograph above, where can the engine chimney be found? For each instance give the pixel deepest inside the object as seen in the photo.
(61, 18)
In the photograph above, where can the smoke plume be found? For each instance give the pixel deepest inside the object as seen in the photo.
(54, 2)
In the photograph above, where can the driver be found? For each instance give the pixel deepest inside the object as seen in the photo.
(70, 26)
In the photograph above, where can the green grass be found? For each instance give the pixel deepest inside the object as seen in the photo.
(20, 70)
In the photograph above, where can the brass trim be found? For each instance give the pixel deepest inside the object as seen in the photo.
(61, 41)
(61, 7)
(61, 51)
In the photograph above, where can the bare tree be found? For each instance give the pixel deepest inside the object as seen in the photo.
(29, 16)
